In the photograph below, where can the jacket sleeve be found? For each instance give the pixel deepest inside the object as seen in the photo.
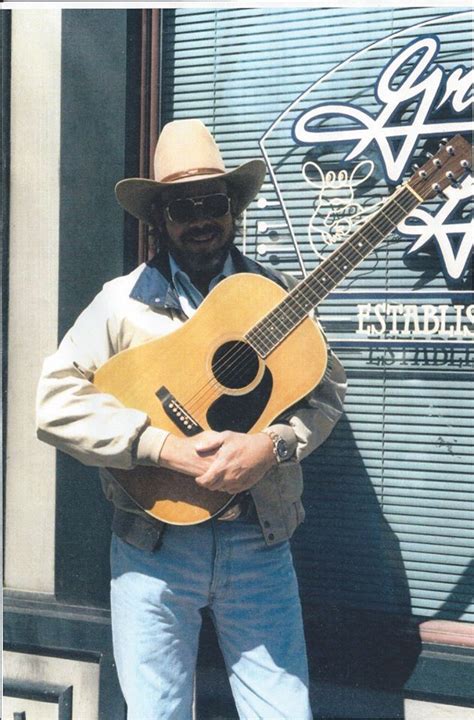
(93, 427)
(306, 425)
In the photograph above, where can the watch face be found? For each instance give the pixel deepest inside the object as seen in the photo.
(282, 449)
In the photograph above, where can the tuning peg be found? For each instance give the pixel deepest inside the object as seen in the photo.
(415, 167)
(452, 179)
(429, 155)
(439, 191)
(443, 141)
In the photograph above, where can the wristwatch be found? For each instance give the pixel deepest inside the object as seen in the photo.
(280, 446)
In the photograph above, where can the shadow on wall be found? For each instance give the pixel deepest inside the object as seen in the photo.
(460, 598)
(362, 642)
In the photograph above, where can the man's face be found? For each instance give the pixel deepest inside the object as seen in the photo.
(199, 245)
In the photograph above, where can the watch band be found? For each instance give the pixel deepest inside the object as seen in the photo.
(280, 446)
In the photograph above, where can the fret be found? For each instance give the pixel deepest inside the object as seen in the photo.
(288, 308)
(360, 245)
(279, 322)
(382, 235)
(259, 342)
(276, 334)
(342, 271)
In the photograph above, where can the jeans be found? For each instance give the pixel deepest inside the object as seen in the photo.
(252, 595)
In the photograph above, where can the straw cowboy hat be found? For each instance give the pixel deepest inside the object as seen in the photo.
(186, 152)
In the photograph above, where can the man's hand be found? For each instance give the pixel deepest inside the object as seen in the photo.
(182, 455)
(226, 461)
(236, 461)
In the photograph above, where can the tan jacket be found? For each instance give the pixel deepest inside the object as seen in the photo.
(97, 430)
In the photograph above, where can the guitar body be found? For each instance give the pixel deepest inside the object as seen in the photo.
(204, 376)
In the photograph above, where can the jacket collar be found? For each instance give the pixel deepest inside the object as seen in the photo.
(155, 288)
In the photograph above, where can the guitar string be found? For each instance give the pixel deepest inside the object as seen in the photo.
(243, 354)
(238, 357)
(324, 271)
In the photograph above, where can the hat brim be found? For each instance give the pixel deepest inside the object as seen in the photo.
(137, 195)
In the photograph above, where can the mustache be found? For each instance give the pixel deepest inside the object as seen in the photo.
(201, 229)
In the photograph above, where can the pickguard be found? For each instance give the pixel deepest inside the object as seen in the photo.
(240, 412)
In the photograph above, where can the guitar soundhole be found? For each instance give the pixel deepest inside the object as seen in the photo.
(235, 364)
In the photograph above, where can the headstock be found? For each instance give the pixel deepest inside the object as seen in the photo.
(451, 162)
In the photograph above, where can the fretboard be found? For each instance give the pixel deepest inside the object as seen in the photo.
(269, 332)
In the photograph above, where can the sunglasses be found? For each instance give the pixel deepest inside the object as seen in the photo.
(184, 210)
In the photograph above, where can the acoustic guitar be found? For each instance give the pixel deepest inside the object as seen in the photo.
(237, 363)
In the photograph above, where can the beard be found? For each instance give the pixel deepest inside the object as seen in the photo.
(202, 250)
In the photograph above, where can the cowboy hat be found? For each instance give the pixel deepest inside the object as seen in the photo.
(186, 152)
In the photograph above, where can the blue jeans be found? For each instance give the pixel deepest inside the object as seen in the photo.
(252, 594)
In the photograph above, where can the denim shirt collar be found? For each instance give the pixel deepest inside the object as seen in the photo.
(155, 288)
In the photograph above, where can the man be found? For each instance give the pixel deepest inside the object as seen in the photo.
(238, 565)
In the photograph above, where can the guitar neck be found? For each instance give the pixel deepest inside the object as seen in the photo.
(271, 330)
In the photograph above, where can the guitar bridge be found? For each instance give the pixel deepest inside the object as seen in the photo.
(177, 413)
